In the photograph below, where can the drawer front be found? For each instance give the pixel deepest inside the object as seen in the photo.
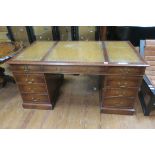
(119, 102)
(75, 69)
(123, 82)
(126, 70)
(26, 68)
(29, 78)
(33, 88)
(35, 98)
(122, 92)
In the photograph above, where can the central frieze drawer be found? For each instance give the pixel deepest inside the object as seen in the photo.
(126, 70)
(29, 78)
(120, 92)
(33, 88)
(35, 98)
(76, 69)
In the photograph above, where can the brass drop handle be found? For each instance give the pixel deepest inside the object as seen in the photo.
(122, 85)
(34, 99)
(32, 80)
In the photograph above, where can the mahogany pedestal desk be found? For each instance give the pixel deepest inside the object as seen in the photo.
(118, 64)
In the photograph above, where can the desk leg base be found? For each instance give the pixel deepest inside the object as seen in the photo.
(37, 106)
(121, 111)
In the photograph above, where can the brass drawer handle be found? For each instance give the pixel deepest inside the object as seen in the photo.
(32, 80)
(122, 85)
(35, 99)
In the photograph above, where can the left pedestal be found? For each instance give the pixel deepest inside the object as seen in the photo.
(38, 90)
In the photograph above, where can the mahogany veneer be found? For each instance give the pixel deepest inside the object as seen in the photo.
(39, 74)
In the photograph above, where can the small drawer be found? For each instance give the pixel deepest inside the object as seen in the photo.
(119, 102)
(122, 82)
(122, 92)
(26, 68)
(33, 88)
(29, 78)
(35, 98)
(126, 70)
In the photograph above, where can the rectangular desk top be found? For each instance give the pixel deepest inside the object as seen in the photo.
(100, 53)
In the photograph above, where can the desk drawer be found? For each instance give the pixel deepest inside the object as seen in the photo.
(26, 68)
(33, 88)
(119, 102)
(35, 98)
(123, 81)
(76, 69)
(126, 70)
(122, 92)
(29, 78)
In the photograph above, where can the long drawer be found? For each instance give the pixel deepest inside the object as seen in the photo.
(122, 81)
(35, 98)
(120, 92)
(26, 68)
(29, 78)
(75, 69)
(126, 70)
(32, 88)
(119, 102)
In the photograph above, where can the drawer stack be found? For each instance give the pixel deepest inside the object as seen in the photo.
(119, 89)
(33, 87)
